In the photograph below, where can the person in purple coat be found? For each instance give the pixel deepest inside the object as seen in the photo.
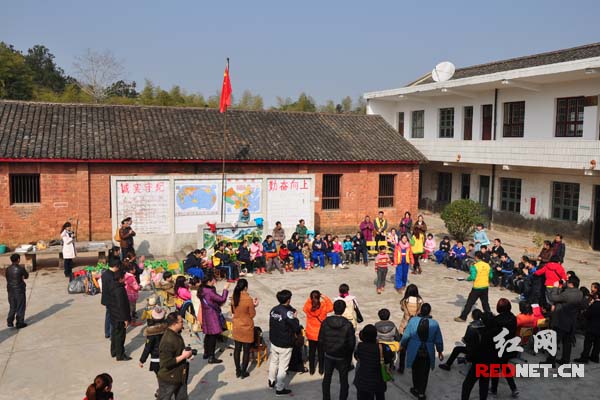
(367, 228)
(211, 303)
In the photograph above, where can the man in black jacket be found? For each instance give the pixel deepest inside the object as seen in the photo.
(120, 316)
(108, 280)
(566, 306)
(592, 333)
(15, 285)
(283, 327)
(337, 340)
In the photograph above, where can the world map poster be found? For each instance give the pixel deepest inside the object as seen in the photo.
(196, 198)
(243, 193)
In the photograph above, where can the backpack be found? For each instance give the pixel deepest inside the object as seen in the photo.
(117, 236)
(423, 333)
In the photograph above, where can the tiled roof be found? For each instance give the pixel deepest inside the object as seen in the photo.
(535, 60)
(112, 132)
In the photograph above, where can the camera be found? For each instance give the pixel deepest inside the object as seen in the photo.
(194, 351)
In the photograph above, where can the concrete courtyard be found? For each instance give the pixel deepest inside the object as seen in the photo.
(64, 347)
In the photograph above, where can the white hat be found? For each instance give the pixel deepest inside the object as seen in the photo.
(158, 313)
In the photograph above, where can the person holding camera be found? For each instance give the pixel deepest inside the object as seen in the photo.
(173, 355)
(68, 249)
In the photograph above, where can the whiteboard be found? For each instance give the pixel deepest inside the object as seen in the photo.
(289, 200)
(196, 202)
(146, 202)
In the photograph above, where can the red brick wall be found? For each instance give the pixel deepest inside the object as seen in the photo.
(81, 192)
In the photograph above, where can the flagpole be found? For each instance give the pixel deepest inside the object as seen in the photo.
(223, 215)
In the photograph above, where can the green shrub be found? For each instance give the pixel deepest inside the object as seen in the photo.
(461, 217)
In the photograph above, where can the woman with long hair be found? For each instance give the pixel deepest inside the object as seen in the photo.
(68, 248)
(243, 310)
(420, 224)
(406, 224)
(411, 305)
(211, 302)
(316, 308)
(294, 245)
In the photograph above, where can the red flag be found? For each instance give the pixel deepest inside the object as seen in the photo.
(225, 90)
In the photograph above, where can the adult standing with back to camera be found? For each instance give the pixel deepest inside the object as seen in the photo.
(68, 248)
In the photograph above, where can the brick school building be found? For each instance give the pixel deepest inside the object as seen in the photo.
(57, 160)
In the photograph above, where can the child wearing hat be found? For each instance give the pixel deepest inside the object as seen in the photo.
(153, 333)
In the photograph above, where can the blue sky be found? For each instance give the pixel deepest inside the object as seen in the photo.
(329, 49)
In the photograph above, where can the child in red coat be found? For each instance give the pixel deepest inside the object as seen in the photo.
(284, 256)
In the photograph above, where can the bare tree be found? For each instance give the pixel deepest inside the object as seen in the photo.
(96, 72)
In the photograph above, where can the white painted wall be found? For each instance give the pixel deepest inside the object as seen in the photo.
(534, 183)
(538, 148)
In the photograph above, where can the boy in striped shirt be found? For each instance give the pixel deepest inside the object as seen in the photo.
(382, 262)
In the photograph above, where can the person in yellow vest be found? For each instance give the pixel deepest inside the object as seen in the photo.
(381, 226)
(417, 243)
(481, 273)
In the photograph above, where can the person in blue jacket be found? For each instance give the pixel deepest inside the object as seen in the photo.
(319, 247)
(456, 255)
(294, 245)
(421, 339)
(504, 273)
(480, 237)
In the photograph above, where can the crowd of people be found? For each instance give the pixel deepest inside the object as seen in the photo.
(330, 327)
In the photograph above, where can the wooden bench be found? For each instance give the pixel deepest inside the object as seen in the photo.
(101, 248)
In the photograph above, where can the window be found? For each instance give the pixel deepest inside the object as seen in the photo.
(386, 190)
(487, 117)
(465, 186)
(569, 117)
(418, 124)
(565, 201)
(468, 123)
(446, 122)
(514, 118)
(510, 195)
(24, 189)
(484, 190)
(331, 192)
(401, 123)
(444, 192)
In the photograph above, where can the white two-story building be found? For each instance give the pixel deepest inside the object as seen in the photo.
(521, 135)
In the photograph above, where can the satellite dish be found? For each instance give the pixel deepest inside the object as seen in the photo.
(443, 71)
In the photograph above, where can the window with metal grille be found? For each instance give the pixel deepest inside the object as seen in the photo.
(446, 122)
(386, 190)
(565, 201)
(569, 117)
(514, 119)
(418, 124)
(25, 189)
(510, 195)
(331, 192)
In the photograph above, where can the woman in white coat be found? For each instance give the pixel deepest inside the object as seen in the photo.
(68, 249)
